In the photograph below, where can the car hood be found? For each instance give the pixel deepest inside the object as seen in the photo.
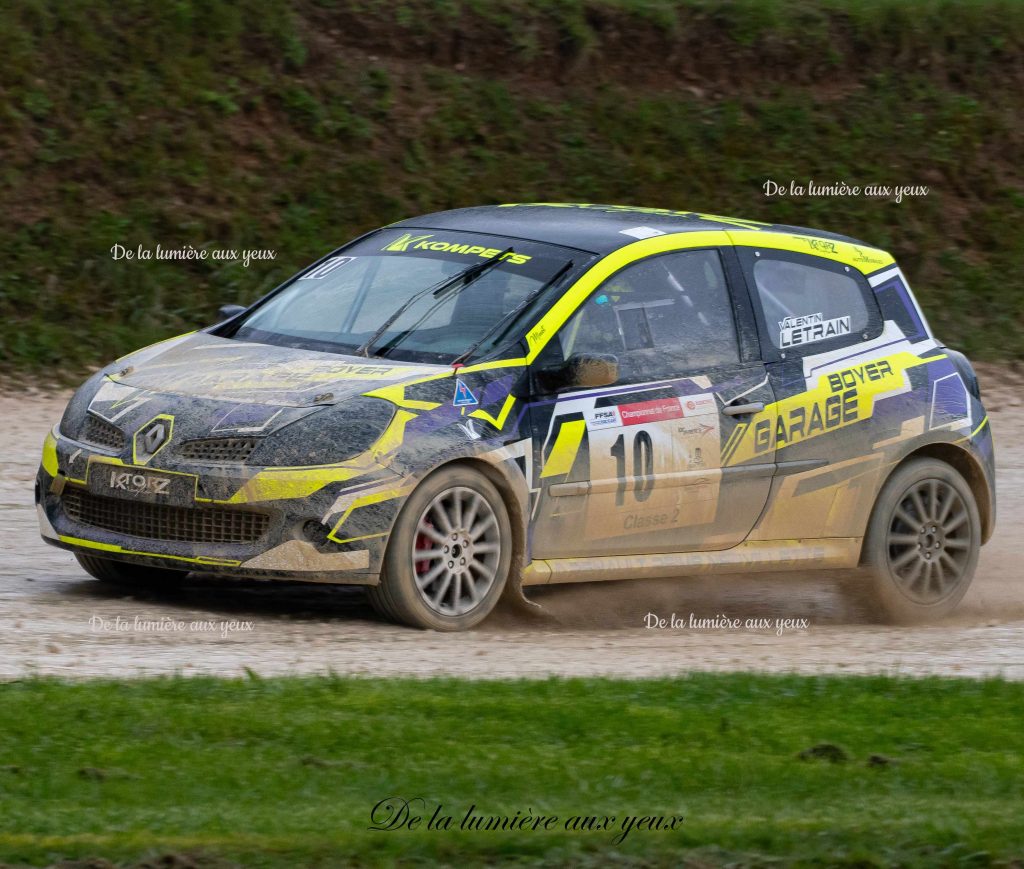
(206, 366)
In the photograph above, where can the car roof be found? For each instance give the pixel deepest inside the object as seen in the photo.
(598, 229)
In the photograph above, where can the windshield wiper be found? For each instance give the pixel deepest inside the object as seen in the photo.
(511, 315)
(467, 276)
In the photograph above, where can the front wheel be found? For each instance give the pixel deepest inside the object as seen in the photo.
(922, 544)
(449, 554)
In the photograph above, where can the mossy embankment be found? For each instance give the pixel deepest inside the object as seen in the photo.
(262, 124)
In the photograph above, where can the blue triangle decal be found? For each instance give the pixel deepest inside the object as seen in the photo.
(463, 396)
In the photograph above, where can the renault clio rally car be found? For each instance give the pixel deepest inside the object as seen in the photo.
(471, 402)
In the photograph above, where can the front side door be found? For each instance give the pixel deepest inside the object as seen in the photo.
(642, 465)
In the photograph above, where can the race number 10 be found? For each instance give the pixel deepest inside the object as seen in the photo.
(643, 467)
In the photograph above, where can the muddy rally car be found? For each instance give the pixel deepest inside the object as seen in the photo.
(465, 404)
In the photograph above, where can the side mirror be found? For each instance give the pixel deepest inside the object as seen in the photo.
(226, 312)
(589, 370)
(580, 371)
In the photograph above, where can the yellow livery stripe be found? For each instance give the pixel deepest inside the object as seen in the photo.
(365, 501)
(111, 547)
(864, 259)
(499, 421)
(563, 453)
(50, 454)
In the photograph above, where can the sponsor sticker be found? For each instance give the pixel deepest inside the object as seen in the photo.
(463, 395)
(809, 328)
(650, 411)
(822, 245)
(697, 405)
(126, 481)
(641, 232)
(353, 371)
(326, 267)
(401, 244)
(409, 242)
(602, 417)
(696, 428)
(863, 256)
(141, 484)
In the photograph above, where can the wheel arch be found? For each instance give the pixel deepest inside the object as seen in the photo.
(973, 473)
(965, 464)
(514, 494)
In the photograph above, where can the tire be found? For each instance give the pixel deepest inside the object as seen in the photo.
(458, 517)
(913, 573)
(125, 575)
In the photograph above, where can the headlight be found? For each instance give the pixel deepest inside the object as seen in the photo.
(331, 435)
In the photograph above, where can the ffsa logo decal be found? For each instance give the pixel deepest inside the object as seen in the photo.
(152, 438)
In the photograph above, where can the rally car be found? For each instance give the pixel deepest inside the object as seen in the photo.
(464, 404)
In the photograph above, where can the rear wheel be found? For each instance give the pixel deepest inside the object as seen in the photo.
(922, 543)
(125, 575)
(449, 554)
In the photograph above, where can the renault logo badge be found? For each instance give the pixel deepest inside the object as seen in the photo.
(152, 438)
(155, 437)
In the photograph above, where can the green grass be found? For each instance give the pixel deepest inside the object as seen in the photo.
(293, 126)
(286, 772)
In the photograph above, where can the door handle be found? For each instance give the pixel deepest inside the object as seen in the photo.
(743, 409)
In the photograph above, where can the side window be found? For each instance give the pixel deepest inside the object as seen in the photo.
(662, 317)
(805, 303)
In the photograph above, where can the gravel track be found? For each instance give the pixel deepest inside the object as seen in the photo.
(55, 620)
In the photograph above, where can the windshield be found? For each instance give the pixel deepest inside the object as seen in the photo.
(346, 300)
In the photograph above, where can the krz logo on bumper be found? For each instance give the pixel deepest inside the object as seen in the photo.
(129, 482)
(409, 242)
(811, 327)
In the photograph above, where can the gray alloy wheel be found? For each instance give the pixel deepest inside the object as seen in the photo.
(922, 544)
(456, 551)
(929, 541)
(448, 555)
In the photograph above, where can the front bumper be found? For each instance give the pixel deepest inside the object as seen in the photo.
(336, 533)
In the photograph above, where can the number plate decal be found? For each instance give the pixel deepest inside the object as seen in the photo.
(141, 484)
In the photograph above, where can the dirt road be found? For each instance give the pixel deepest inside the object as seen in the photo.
(55, 620)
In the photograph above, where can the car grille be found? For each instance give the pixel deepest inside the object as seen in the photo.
(218, 450)
(163, 522)
(103, 434)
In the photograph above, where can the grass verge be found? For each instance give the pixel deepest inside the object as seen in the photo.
(287, 772)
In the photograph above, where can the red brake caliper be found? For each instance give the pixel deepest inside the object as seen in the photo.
(423, 542)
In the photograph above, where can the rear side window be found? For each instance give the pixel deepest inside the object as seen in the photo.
(806, 304)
